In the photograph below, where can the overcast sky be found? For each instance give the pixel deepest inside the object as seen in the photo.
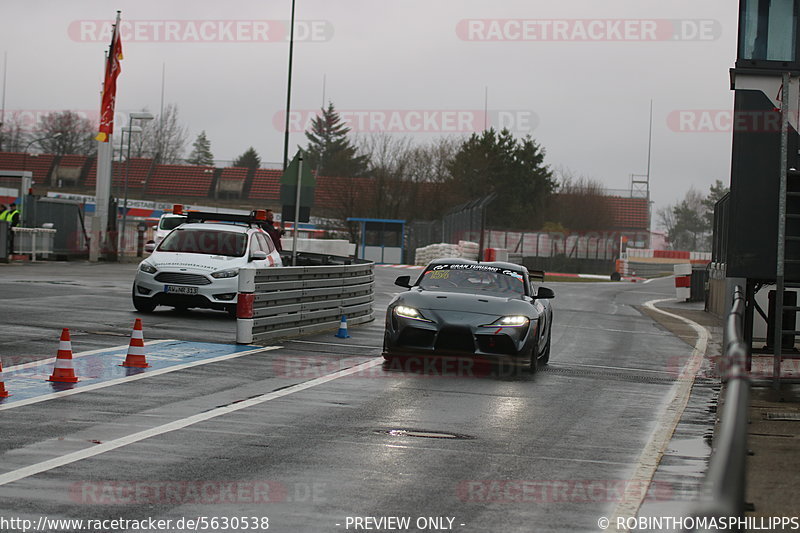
(577, 75)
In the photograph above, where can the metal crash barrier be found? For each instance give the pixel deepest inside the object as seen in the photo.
(723, 491)
(284, 302)
(33, 241)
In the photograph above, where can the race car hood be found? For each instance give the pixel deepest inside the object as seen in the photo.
(466, 303)
(199, 263)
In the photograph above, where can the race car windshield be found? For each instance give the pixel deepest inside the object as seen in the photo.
(494, 282)
(205, 241)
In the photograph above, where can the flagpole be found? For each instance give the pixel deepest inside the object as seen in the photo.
(103, 184)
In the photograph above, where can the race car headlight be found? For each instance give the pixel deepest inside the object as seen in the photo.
(222, 274)
(513, 321)
(409, 312)
(147, 267)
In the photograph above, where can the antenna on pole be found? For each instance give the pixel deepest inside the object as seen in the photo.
(486, 108)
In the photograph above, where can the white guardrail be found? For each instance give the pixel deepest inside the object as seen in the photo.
(34, 241)
(283, 302)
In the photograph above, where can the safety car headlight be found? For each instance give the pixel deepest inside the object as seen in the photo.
(222, 274)
(409, 312)
(147, 267)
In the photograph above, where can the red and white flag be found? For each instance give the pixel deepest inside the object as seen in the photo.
(113, 68)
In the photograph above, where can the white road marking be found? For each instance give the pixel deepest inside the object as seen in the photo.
(619, 368)
(336, 344)
(44, 466)
(666, 423)
(134, 377)
(657, 333)
(80, 354)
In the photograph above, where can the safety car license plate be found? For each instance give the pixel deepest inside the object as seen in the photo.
(172, 289)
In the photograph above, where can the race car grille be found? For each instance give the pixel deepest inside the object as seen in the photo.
(499, 344)
(183, 279)
(457, 339)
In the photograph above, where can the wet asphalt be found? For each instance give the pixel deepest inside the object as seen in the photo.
(448, 447)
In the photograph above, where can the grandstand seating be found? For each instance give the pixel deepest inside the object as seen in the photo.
(266, 185)
(629, 213)
(39, 164)
(137, 173)
(180, 181)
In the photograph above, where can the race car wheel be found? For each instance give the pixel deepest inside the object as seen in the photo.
(545, 357)
(533, 366)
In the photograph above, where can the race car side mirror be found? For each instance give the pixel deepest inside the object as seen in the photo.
(545, 293)
(149, 247)
(403, 281)
(258, 255)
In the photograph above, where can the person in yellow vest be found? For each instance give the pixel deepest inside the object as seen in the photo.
(3, 211)
(12, 217)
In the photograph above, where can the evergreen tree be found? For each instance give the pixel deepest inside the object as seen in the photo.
(329, 151)
(496, 162)
(201, 151)
(248, 159)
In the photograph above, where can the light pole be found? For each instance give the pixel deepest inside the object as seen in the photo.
(288, 94)
(133, 116)
(23, 192)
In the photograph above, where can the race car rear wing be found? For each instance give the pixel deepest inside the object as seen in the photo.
(536, 275)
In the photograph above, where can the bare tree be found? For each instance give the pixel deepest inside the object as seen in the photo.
(13, 135)
(163, 139)
(76, 134)
(410, 180)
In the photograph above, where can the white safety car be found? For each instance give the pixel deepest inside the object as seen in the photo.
(197, 264)
(166, 223)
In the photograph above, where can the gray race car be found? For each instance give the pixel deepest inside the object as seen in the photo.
(466, 308)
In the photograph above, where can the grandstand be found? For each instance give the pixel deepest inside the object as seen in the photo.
(629, 213)
(238, 187)
(266, 185)
(137, 174)
(180, 181)
(41, 165)
(231, 182)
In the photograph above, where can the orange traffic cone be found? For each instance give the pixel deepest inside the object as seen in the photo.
(63, 371)
(135, 356)
(3, 392)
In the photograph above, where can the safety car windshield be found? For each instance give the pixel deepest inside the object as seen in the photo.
(205, 241)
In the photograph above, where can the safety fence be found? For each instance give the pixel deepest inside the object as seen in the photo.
(33, 241)
(276, 303)
(723, 491)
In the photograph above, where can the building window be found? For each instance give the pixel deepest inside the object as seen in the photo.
(768, 30)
